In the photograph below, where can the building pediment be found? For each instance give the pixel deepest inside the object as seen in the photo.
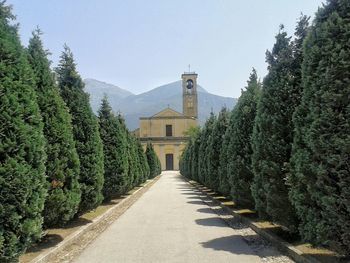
(168, 112)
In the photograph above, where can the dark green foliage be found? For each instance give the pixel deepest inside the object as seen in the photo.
(62, 165)
(185, 161)
(85, 130)
(134, 167)
(153, 161)
(239, 170)
(214, 148)
(22, 155)
(273, 133)
(145, 171)
(194, 155)
(187, 155)
(320, 181)
(203, 158)
(115, 152)
(139, 167)
(224, 186)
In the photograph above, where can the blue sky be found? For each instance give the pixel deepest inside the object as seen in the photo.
(141, 44)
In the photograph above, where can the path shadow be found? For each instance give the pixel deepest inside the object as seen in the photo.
(196, 202)
(211, 221)
(206, 210)
(328, 258)
(187, 189)
(233, 244)
(194, 197)
(48, 241)
(77, 222)
(110, 202)
(189, 193)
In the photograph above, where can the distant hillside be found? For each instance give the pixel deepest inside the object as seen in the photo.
(148, 103)
(97, 89)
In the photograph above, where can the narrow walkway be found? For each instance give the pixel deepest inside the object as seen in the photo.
(169, 223)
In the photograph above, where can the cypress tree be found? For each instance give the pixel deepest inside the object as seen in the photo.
(85, 131)
(272, 137)
(132, 171)
(239, 169)
(114, 149)
(145, 172)
(224, 186)
(153, 161)
(187, 162)
(203, 148)
(214, 148)
(184, 160)
(137, 162)
(62, 165)
(22, 142)
(130, 174)
(194, 156)
(186, 156)
(320, 182)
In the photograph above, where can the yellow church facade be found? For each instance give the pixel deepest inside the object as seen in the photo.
(167, 130)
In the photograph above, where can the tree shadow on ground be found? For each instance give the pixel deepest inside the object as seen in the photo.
(48, 241)
(206, 210)
(190, 193)
(211, 221)
(77, 223)
(196, 202)
(328, 258)
(234, 244)
(187, 189)
(194, 197)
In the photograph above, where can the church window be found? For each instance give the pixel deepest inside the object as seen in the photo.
(168, 130)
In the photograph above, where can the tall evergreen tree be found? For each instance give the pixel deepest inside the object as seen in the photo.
(187, 154)
(22, 154)
(136, 161)
(153, 161)
(239, 169)
(132, 168)
(194, 155)
(320, 181)
(145, 172)
(273, 135)
(203, 148)
(85, 130)
(214, 148)
(62, 165)
(184, 161)
(115, 155)
(224, 186)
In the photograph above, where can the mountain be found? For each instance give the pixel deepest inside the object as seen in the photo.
(149, 103)
(97, 89)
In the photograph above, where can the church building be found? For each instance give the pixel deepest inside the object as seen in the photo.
(166, 130)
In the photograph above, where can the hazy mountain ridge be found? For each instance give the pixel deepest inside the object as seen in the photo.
(97, 89)
(132, 107)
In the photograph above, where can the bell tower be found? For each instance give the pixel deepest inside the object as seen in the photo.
(189, 93)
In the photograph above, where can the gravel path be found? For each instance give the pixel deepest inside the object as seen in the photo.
(172, 222)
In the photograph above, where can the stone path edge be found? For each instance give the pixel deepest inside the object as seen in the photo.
(49, 256)
(280, 244)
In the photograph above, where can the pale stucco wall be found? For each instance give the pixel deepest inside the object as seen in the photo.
(153, 130)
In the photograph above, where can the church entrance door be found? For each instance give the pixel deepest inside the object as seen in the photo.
(169, 161)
